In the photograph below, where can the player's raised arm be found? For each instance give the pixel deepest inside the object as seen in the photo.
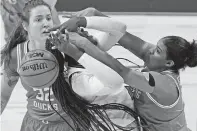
(54, 12)
(105, 24)
(9, 78)
(76, 48)
(94, 59)
(136, 45)
(113, 29)
(129, 41)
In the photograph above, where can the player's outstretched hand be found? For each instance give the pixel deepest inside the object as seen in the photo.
(71, 25)
(59, 40)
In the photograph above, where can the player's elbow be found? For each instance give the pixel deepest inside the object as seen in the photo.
(91, 10)
(120, 28)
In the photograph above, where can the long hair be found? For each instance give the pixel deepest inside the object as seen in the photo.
(84, 114)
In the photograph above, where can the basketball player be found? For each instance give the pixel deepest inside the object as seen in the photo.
(90, 86)
(162, 103)
(40, 116)
(55, 108)
(11, 19)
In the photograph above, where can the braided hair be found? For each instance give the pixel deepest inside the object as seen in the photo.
(84, 114)
(81, 111)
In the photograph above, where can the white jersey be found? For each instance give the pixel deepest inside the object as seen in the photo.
(92, 89)
(98, 83)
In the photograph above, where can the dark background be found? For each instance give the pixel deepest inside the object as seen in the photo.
(129, 5)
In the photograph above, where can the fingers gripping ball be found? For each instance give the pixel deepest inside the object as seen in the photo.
(39, 69)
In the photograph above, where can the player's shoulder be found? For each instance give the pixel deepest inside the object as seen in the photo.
(14, 54)
(166, 89)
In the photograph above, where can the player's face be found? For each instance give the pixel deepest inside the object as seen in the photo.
(40, 20)
(157, 58)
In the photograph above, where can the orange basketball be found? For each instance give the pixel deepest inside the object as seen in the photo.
(39, 69)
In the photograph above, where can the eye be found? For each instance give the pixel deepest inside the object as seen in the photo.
(38, 19)
(158, 51)
(49, 18)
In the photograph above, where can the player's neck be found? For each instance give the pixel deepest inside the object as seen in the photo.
(36, 44)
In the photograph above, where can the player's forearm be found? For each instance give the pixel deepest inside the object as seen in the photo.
(136, 45)
(114, 30)
(105, 24)
(99, 55)
(55, 17)
(104, 73)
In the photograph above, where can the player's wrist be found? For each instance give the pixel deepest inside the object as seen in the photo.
(82, 22)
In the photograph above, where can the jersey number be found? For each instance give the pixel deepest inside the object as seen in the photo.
(43, 94)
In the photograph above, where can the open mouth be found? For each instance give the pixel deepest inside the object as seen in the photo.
(45, 33)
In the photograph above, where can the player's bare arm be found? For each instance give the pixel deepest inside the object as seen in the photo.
(130, 76)
(136, 45)
(129, 41)
(9, 79)
(55, 17)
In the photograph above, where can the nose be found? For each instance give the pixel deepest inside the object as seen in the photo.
(151, 51)
(45, 24)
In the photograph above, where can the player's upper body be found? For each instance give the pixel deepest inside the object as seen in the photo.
(163, 107)
(38, 20)
(159, 87)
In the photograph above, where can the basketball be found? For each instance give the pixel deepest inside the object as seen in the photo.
(39, 69)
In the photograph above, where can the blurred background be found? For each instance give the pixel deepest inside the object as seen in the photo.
(183, 6)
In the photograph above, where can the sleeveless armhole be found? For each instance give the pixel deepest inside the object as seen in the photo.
(18, 56)
(20, 53)
(168, 106)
